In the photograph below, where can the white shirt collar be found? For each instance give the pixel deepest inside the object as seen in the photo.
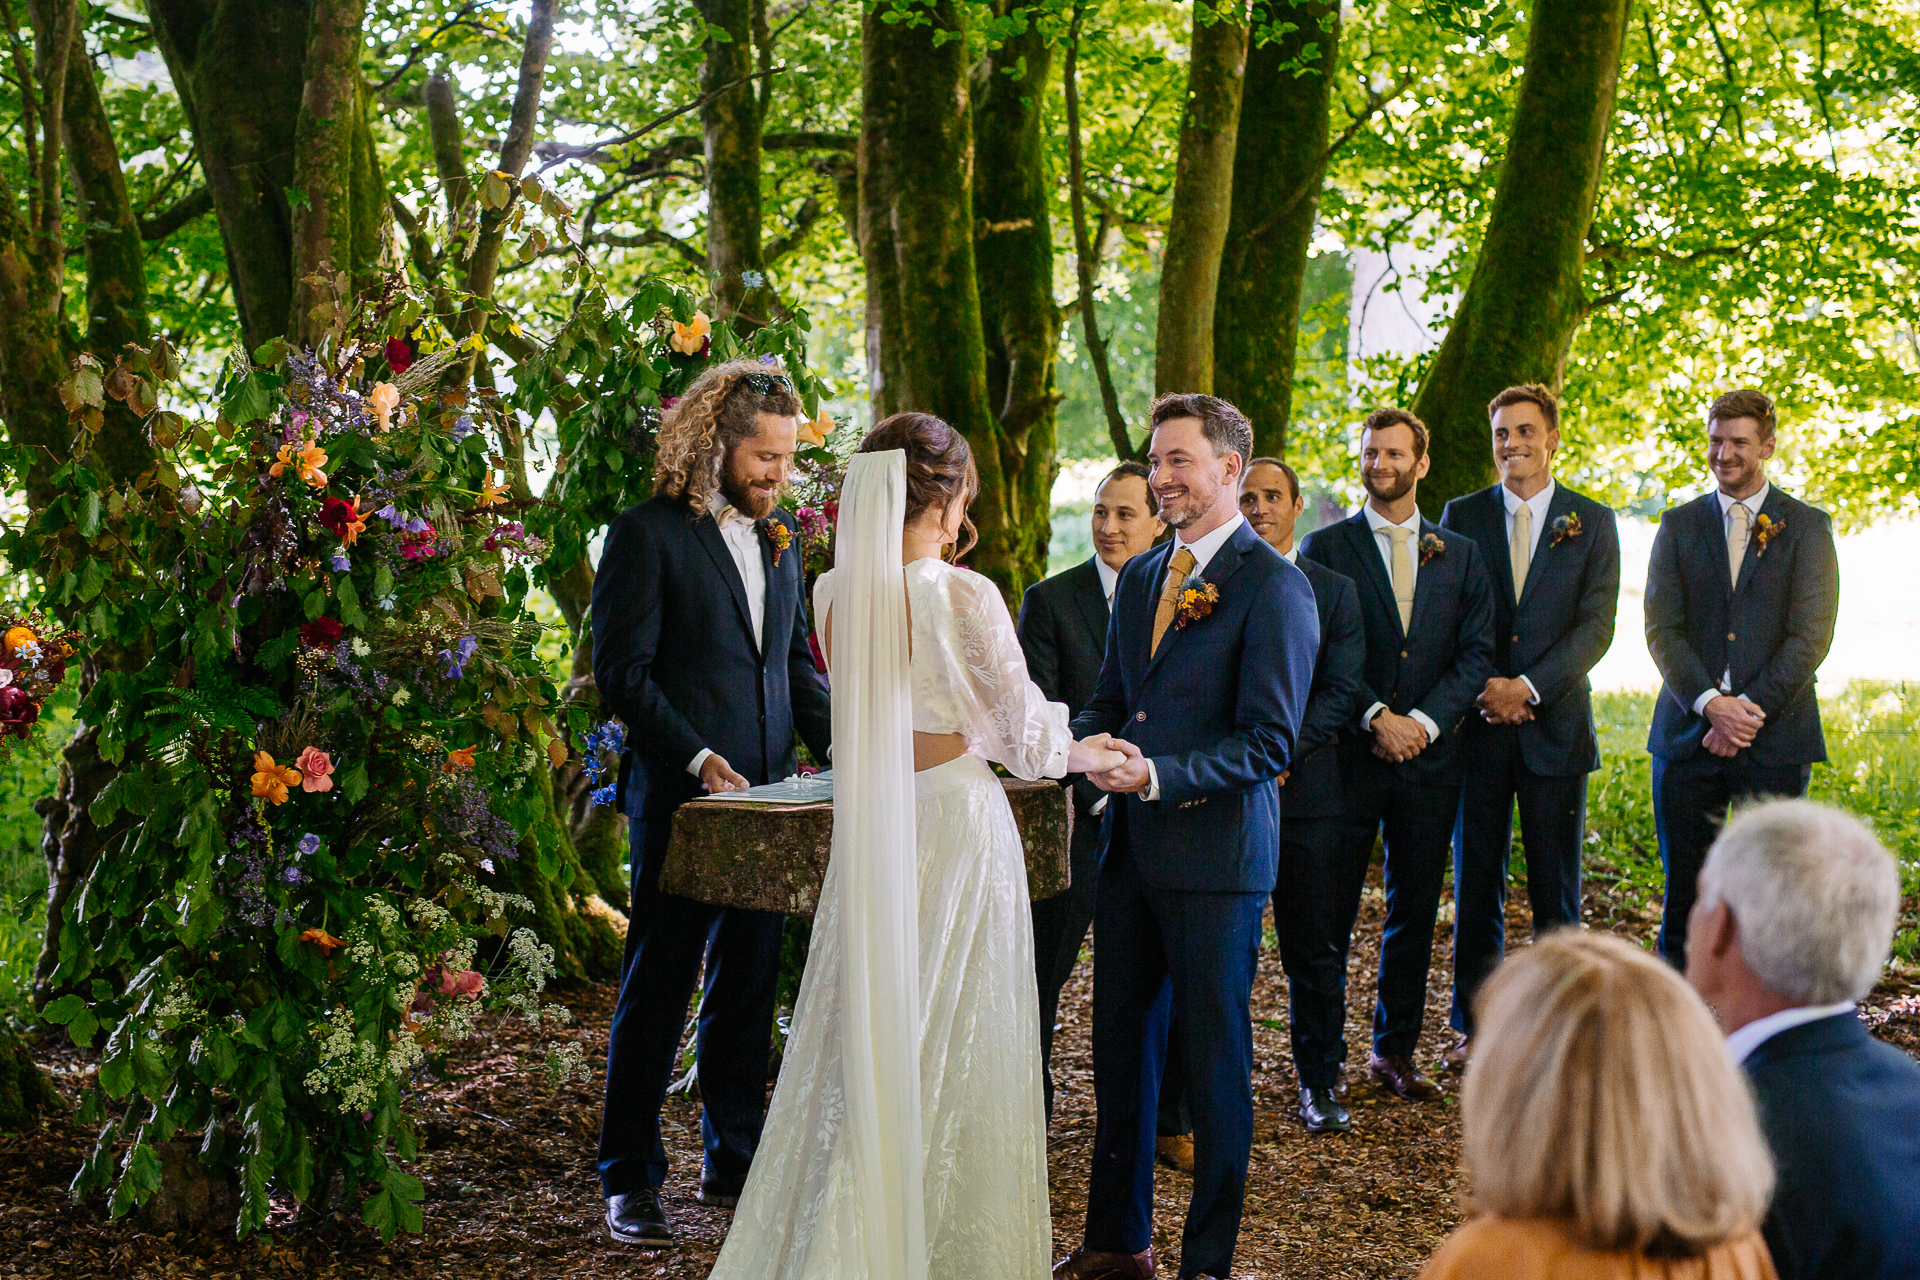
(1204, 549)
(1752, 502)
(1743, 1042)
(1109, 578)
(1292, 556)
(1538, 503)
(1377, 522)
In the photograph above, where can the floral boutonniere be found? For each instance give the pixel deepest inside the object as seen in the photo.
(1431, 547)
(1567, 526)
(1765, 530)
(778, 536)
(1197, 599)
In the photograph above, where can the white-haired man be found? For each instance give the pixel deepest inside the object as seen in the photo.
(1794, 919)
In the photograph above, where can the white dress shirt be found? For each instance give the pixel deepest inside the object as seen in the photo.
(1109, 579)
(1382, 539)
(1537, 505)
(1752, 502)
(742, 536)
(1202, 551)
(1292, 555)
(1743, 1042)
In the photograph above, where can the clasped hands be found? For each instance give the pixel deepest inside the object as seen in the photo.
(1732, 723)
(1504, 701)
(1110, 763)
(1397, 738)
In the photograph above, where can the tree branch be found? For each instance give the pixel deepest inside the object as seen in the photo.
(177, 215)
(803, 220)
(621, 140)
(462, 18)
(1375, 101)
(1085, 257)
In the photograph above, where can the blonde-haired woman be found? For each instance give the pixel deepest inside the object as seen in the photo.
(1607, 1133)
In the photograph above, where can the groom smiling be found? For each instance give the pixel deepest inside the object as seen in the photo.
(1209, 657)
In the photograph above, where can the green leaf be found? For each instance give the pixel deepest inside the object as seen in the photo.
(270, 353)
(247, 400)
(143, 1171)
(314, 605)
(353, 783)
(82, 1027)
(89, 513)
(91, 576)
(64, 1010)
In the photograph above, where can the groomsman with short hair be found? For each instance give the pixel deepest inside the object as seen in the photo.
(1742, 593)
(1428, 612)
(1554, 555)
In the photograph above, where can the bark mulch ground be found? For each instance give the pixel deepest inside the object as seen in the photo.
(511, 1190)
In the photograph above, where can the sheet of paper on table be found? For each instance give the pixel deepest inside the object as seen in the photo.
(813, 789)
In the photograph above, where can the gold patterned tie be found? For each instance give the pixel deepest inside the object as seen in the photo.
(1520, 547)
(1402, 573)
(1737, 519)
(1177, 571)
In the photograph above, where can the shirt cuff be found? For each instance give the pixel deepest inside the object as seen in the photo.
(1426, 722)
(1100, 806)
(1533, 694)
(1153, 781)
(1700, 703)
(1366, 717)
(699, 760)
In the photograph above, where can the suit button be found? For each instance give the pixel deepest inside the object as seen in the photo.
(1516, 637)
(1403, 653)
(1729, 635)
(1139, 715)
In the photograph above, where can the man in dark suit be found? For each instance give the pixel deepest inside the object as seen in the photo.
(1209, 659)
(1428, 614)
(1063, 631)
(1312, 901)
(1796, 911)
(1554, 556)
(700, 646)
(1742, 592)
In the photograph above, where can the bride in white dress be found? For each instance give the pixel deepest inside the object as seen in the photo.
(906, 1139)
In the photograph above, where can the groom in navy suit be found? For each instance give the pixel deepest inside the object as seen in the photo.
(1208, 661)
(700, 646)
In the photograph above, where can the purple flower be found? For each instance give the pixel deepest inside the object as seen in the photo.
(293, 875)
(309, 845)
(457, 657)
(388, 514)
(340, 562)
(462, 427)
(603, 795)
(416, 524)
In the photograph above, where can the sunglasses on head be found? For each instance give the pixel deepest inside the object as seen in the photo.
(765, 384)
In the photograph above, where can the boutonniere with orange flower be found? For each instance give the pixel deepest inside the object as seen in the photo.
(778, 536)
(304, 460)
(815, 433)
(1431, 547)
(270, 780)
(1197, 598)
(1567, 526)
(694, 337)
(1765, 530)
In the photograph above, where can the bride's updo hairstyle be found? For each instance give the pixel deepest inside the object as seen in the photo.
(939, 467)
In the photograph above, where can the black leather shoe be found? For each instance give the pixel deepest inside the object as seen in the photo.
(1321, 1112)
(720, 1195)
(637, 1218)
(1398, 1075)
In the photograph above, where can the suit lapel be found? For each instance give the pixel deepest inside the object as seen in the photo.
(1092, 604)
(708, 533)
(1225, 561)
(1503, 563)
(1426, 583)
(776, 588)
(1372, 569)
(1774, 509)
(1562, 503)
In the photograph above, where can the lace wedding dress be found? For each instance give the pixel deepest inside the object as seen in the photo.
(907, 1137)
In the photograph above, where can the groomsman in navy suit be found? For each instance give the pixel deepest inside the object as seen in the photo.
(1742, 593)
(700, 646)
(1428, 613)
(1555, 559)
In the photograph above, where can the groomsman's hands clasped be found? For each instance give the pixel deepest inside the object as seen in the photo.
(1397, 738)
(1733, 723)
(1504, 701)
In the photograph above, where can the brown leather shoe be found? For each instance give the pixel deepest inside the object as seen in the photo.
(1094, 1264)
(1341, 1089)
(1398, 1075)
(1456, 1058)
(1175, 1152)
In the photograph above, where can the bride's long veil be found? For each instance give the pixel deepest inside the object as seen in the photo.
(874, 866)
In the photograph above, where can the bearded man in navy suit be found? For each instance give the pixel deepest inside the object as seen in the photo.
(1742, 593)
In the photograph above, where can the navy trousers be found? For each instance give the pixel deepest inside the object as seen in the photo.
(1691, 799)
(1314, 907)
(1157, 951)
(1059, 928)
(1553, 823)
(1417, 825)
(667, 939)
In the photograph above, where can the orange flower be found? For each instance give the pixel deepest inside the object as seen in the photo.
(323, 940)
(459, 761)
(815, 433)
(491, 494)
(383, 400)
(18, 638)
(305, 459)
(690, 338)
(270, 780)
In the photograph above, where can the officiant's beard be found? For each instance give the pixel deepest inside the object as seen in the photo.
(746, 499)
(1387, 490)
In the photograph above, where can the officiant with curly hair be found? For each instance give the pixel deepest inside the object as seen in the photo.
(700, 647)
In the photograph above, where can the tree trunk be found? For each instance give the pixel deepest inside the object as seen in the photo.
(1279, 160)
(239, 67)
(25, 1090)
(1523, 303)
(730, 120)
(1202, 197)
(115, 254)
(323, 169)
(1013, 264)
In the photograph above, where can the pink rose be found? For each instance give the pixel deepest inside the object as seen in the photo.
(316, 770)
(468, 983)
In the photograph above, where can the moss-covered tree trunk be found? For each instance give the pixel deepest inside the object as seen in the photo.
(1279, 161)
(1013, 263)
(1202, 197)
(323, 168)
(1516, 321)
(730, 121)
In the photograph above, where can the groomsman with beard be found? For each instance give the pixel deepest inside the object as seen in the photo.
(1742, 593)
(1428, 612)
(700, 646)
(1555, 559)
(1063, 631)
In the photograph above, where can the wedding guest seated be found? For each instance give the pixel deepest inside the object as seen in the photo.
(1605, 1131)
(1795, 917)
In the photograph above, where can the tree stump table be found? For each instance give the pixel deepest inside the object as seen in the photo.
(772, 857)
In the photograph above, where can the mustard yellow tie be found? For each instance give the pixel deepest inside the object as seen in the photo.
(1177, 572)
(1402, 573)
(1520, 548)
(1737, 519)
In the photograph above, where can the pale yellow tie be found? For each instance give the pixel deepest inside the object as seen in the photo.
(1737, 519)
(1520, 547)
(1402, 573)
(1177, 572)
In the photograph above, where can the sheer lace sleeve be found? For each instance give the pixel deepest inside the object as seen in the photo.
(1005, 716)
(822, 601)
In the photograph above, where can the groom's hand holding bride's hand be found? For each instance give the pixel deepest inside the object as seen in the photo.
(1130, 774)
(1095, 755)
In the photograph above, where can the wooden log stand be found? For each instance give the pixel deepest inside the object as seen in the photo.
(772, 858)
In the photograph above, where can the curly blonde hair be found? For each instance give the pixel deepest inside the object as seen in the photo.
(717, 412)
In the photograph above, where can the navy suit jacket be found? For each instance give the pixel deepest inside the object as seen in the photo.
(1772, 630)
(1841, 1111)
(1217, 710)
(1439, 665)
(1312, 788)
(675, 657)
(1560, 627)
(1063, 632)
